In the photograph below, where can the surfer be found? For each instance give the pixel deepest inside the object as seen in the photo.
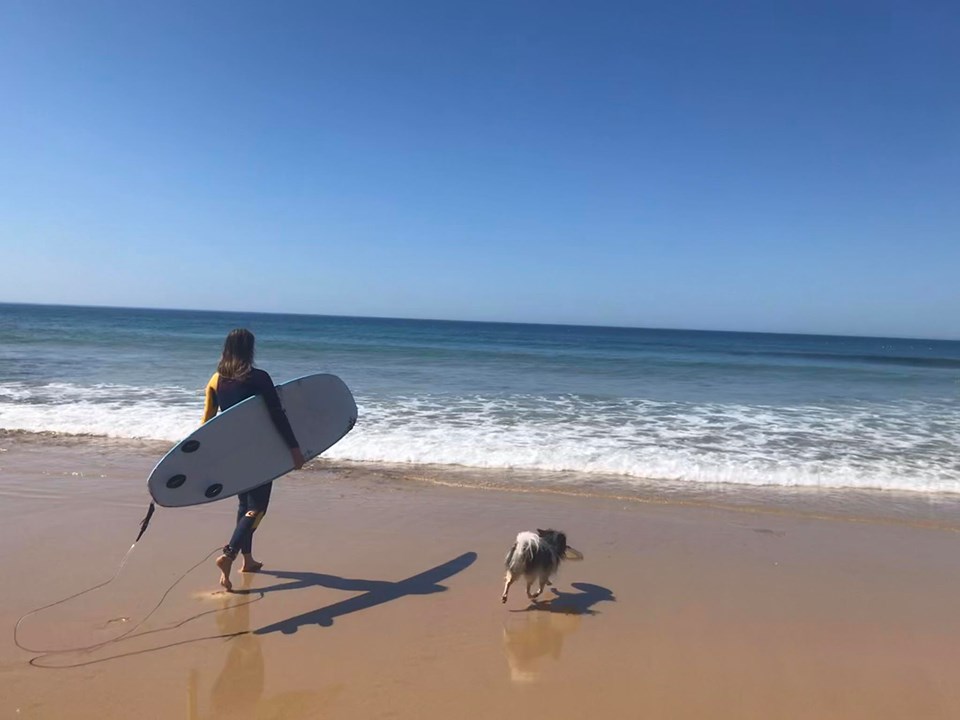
(235, 380)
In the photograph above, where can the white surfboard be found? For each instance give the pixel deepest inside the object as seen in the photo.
(240, 449)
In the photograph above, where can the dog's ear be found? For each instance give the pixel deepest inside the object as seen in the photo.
(571, 554)
(541, 533)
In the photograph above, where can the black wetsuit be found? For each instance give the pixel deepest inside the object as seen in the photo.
(223, 393)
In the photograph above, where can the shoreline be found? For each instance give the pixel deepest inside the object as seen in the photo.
(934, 510)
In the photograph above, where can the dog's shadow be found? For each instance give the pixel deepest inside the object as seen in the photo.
(573, 603)
(374, 592)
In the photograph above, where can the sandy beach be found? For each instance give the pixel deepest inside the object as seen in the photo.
(380, 599)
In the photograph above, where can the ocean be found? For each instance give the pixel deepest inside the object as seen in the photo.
(554, 403)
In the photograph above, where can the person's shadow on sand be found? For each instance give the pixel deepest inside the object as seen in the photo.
(578, 603)
(375, 592)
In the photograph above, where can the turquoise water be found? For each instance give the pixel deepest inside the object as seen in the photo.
(640, 404)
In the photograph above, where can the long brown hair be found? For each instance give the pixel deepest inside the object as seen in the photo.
(236, 362)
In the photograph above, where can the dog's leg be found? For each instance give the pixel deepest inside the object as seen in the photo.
(532, 595)
(544, 580)
(508, 581)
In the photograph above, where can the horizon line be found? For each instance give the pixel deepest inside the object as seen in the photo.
(599, 326)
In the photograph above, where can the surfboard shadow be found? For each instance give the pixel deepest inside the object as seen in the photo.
(375, 592)
(578, 603)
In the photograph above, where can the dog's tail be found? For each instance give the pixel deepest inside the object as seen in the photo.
(523, 550)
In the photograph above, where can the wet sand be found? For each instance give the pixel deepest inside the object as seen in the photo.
(380, 598)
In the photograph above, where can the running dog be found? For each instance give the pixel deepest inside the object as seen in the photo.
(536, 556)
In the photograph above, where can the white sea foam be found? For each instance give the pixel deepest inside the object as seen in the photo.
(711, 443)
(166, 413)
(907, 446)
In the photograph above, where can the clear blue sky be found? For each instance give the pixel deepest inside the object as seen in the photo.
(781, 166)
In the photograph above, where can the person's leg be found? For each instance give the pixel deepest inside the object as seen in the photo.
(259, 499)
(240, 535)
(243, 504)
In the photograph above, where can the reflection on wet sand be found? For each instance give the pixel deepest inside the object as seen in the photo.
(534, 635)
(540, 629)
(237, 692)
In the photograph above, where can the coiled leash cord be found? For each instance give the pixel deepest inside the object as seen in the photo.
(50, 651)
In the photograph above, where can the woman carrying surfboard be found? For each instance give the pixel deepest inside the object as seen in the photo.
(235, 380)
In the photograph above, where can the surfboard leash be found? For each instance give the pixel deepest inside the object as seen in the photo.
(144, 524)
(130, 635)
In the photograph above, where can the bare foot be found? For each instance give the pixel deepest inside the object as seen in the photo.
(225, 563)
(251, 566)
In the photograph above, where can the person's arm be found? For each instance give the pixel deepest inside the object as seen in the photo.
(210, 403)
(266, 388)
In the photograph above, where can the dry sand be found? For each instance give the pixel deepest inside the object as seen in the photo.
(380, 598)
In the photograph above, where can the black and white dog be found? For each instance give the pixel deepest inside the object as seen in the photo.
(536, 556)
